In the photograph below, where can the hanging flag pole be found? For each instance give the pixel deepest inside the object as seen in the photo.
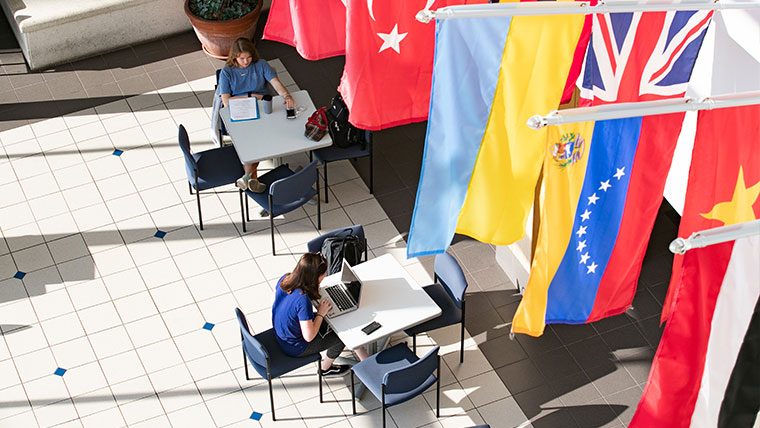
(647, 108)
(568, 8)
(714, 236)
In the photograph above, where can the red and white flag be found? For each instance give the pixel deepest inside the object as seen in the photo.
(317, 29)
(700, 372)
(389, 61)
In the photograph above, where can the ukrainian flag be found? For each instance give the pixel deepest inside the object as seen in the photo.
(481, 161)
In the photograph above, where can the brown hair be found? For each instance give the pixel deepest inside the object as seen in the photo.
(306, 275)
(238, 47)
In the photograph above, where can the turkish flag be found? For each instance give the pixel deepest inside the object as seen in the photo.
(317, 29)
(389, 61)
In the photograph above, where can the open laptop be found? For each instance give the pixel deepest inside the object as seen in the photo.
(342, 291)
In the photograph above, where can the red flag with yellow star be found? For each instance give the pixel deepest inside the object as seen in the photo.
(705, 371)
(724, 178)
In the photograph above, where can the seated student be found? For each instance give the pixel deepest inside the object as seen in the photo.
(299, 331)
(245, 75)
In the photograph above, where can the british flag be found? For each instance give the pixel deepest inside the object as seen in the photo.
(641, 56)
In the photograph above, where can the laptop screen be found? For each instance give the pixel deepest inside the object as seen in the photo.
(352, 282)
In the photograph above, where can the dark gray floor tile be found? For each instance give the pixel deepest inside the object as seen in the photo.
(104, 91)
(34, 93)
(536, 346)
(402, 222)
(501, 297)
(477, 302)
(612, 323)
(167, 77)
(659, 291)
(136, 85)
(92, 78)
(491, 276)
(8, 99)
(574, 390)
(197, 69)
(476, 257)
(596, 414)
(65, 86)
(569, 334)
(20, 76)
(627, 337)
(555, 364)
(397, 203)
(507, 312)
(610, 379)
(592, 352)
(629, 399)
(651, 330)
(554, 418)
(5, 84)
(535, 400)
(520, 376)
(644, 305)
(501, 351)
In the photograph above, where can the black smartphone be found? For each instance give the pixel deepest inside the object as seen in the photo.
(374, 325)
(290, 113)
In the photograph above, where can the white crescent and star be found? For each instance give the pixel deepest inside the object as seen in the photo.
(391, 40)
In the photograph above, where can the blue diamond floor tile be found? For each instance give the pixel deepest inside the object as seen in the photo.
(118, 152)
(59, 371)
(256, 416)
(160, 234)
(208, 326)
(19, 275)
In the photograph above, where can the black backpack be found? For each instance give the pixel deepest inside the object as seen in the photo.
(343, 134)
(337, 248)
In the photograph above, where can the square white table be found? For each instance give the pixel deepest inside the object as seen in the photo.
(273, 135)
(389, 296)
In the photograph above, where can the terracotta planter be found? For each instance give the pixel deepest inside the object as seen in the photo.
(217, 36)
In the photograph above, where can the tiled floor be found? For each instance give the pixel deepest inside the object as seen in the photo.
(90, 173)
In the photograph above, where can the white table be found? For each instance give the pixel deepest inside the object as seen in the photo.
(273, 135)
(389, 296)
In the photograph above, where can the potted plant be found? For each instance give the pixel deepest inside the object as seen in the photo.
(218, 23)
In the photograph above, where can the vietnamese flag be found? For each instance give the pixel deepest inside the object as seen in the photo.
(389, 62)
(317, 29)
(705, 372)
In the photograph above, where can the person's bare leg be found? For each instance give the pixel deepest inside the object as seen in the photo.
(361, 353)
(327, 363)
(251, 168)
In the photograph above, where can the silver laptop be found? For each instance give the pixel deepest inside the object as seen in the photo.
(342, 291)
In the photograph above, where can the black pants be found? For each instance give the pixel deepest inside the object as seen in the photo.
(325, 339)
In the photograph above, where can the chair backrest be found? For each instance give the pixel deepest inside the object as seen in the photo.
(184, 144)
(450, 274)
(408, 378)
(316, 244)
(295, 187)
(256, 352)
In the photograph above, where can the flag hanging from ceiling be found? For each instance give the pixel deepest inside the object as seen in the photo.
(389, 61)
(317, 29)
(481, 161)
(728, 62)
(700, 374)
(597, 177)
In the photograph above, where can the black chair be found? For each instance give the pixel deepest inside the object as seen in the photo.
(448, 292)
(396, 375)
(334, 153)
(209, 169)
(285, 191)
(264, 353)
(222, 129)
(315, 245)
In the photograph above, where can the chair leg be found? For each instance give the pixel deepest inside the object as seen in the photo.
(438, 389)
(190, 186)
(319, 379)
(271, 398)
(242, 210)
(461, 345)
(326, 187)
(271, 224)
(198, 197)
(371, 173)
(414, 343)
(245, 364)
(319, 208)
(353, 393)
(247, 216)
(383, 394)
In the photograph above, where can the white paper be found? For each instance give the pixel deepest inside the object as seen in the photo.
(244, 109)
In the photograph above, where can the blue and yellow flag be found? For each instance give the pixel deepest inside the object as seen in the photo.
(481, 161)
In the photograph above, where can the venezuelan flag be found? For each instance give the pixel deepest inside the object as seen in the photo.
(603, 186)
(481, 162)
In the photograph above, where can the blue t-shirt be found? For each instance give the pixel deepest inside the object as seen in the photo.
(239, 81)
(287, 312)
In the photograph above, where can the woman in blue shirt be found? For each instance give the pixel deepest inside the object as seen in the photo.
(246, 75)
(299, 331)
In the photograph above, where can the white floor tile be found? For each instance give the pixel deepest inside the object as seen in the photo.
(35, 364)
(103, 238)
(110, 418)
(120, 122)
(24, 236)
(83, 379)
(88, 293)
(135, 307)
(63, 157)
(52, 304)
(255, 298)
(171, 296)
(207, 285)
(39, 185)
(96, 148)
(12, 194)
(62, 329)
(218, 385)
(81, 196)
(22, 420)
(183, 320)
(195, 262)
(125, 283)
(159, 356)
(183, 239)
(14, 402)
(180, 398)
(196, 344)
(219, 308)
(110, 342)
(87, 131)
(170, 220)
(172, 378)
(160, 197)
(28, 166)
(99, 318)
(116, 186)
(16, 215)
(68, 248)
(208, 366)
(122, 367)
(46, 390)
(142, 409)
(92, 217)
(60, 137)
(126, 207)
(147, 177)
(10, 376)
(147, 331)
(105, 167)
(131, 390)
(94, 402)
(24, 340)
(229, 408)
(242, 274)
(73, 353)
(14, 135)
(195, 416)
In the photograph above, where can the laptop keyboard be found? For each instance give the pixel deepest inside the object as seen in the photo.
(340, 297)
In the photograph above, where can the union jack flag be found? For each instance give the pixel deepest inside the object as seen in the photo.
(641, 56)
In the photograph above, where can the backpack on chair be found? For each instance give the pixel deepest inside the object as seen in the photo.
(343, 134)
(337, 248)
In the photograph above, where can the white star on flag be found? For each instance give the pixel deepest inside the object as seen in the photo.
(605, 185)
(620, 173)
(581, 231)
(586, 214)
(592, 199)
(591, 268)
(584, 259)
(581, 245)
(391, 40)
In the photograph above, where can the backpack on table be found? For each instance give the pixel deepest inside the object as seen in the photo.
(343, 134)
